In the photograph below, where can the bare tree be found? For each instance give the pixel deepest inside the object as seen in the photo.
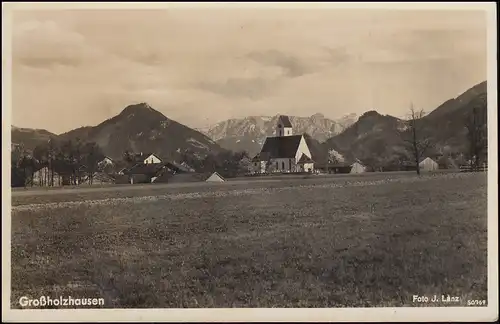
(477, 133)
(415, 137)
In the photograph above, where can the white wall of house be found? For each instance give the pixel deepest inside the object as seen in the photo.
(215, 177)
(428, 164)
(357, 168)
(284, 165)
(283, 131)
(287, 164)
(152, 159)
(259, 167)
(304, 149)
(308, 167)
(287, 131)
(43, 177)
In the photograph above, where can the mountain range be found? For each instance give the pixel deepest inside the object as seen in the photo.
(375, 138)
(248, 134)
(29, 137)
(371, 137)
(138, 128)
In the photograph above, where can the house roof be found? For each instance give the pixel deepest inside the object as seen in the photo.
(357, 161)
(426, 158)
(215, 176)
(141, 156)
(281, 147)
(141, 168)
(187, 166)
(256, 158)
(285, 121)
(149, 154)
(412, 163)
(305, 159)
(177, 167)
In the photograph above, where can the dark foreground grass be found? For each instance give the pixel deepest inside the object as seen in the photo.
(357, 244)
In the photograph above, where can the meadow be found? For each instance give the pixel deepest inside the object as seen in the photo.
(352, 241)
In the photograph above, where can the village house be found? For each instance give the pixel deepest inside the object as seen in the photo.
(428, 164)
(98, 178)
(357, 167)
(215, 177)
(342, 167)
(285, 152)
(425, 165)
(144, 173)
(106, 161)
(151, 159)
(45, 177)
(146, 158)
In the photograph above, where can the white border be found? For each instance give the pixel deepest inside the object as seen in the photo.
(456, 314)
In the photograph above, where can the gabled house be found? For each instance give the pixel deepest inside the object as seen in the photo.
(105, 161)
(215, 177)
(145, 158)
(425, 164)
(45, 177)
(285, 152)
(151, 158)
(258, 165)
(357, 167)
(428, 164)
(144, 173)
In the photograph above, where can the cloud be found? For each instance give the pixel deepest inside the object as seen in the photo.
(85, 66)
(418, 45)
(252, 88)
(44, 44)
(292, 66)
(337, 56)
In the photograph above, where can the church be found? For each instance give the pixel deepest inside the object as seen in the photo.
(284, 152)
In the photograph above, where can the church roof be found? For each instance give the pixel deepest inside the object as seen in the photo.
(281, 147)
(285, 121)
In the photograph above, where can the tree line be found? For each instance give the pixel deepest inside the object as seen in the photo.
(419, 142)
(70, 161)
(75, 162)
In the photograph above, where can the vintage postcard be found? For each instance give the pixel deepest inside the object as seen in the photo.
(243, 162)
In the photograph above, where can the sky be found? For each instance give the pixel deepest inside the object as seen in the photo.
(73, 68)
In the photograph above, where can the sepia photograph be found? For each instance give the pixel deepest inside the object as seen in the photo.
(249, 162)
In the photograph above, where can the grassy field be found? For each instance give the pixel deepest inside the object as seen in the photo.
(371, 240)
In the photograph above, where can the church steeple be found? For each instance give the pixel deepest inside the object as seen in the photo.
(284, 127)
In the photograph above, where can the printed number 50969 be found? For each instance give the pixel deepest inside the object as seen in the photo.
(476, 302)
